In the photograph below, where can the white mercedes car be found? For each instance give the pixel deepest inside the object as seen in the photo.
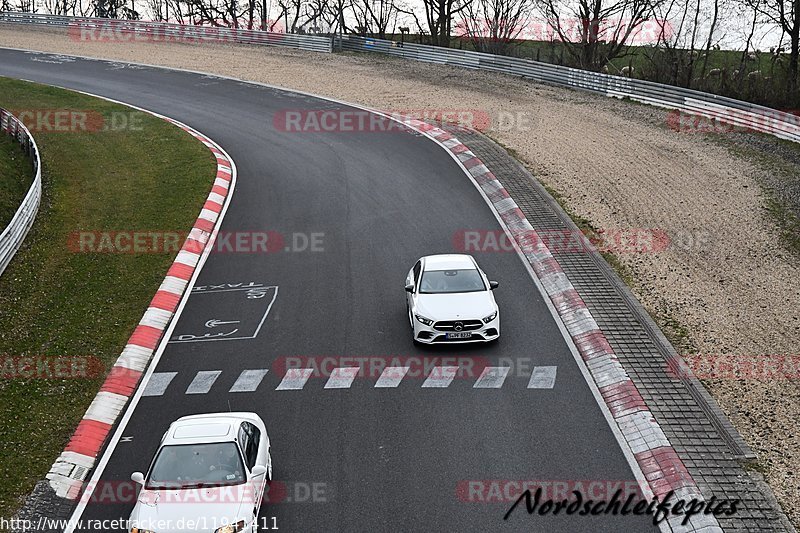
(450, 299)
(208, 475)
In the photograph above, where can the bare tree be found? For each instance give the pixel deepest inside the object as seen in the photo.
(596, 31)
(786, 14)
(334, 15)
(493, 25)
(439, 15)
(375, 16)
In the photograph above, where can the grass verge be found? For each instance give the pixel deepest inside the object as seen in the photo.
(16, 176)
(142, 174)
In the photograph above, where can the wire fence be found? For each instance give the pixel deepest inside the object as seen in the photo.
(16, 230)
(717, 109)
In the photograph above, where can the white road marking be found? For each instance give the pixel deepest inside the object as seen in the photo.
(101, 462)
(543, 377)
(492, 377)
(295, 378)
(440, 376)
(203, 381)
(391, 376)
(249, 380)
(261, 291)
(158, 383)
(342, 378)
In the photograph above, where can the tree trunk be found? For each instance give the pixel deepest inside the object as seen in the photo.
(793, 58)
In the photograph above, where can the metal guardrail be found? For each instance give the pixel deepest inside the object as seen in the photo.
(720, 109)
(13, 235)
(735, 113)
(98, 29)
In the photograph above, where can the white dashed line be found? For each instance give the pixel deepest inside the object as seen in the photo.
(391, 376)
(440, 376)
(203, 381)
(249, 380)
(492, 377)
(342, 378)
(158, 383)
(543, 377)
(295, 378)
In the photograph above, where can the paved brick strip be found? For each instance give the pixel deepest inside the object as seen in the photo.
(68, 473)
(658, 460)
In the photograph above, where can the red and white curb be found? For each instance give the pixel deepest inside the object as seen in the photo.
(68, 474)
(658, 460)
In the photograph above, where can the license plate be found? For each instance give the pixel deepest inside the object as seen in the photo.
(459, 335)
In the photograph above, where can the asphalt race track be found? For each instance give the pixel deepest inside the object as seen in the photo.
(358, 458)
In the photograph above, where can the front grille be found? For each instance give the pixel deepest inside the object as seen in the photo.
(450, 325)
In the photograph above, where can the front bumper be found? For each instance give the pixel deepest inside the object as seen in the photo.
(439, 335)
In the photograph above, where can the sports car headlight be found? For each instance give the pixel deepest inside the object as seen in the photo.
(232, 528)
(489, 318)
(426, 321)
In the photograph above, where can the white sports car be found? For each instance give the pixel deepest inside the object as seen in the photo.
(209, 475)
(450, 299)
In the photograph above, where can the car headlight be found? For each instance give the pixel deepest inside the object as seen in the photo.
(232, 528)
(489, 318)
(426, 321)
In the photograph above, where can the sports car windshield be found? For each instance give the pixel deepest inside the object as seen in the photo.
(196, 465)
(449, 281)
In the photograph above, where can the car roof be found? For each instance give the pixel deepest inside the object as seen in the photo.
(207, 428)
(448, 262)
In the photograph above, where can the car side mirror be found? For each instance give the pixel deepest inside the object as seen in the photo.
(493, 285)
(137, 477)
(410, 287)
(258, 470)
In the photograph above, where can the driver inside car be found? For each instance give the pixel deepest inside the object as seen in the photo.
(226, 460)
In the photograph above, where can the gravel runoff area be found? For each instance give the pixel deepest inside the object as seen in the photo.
(726, 283)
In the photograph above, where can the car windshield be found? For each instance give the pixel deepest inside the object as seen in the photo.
(448, 281)
(196, 465)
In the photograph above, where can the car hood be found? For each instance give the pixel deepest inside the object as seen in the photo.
(190, 510)
(462, 305)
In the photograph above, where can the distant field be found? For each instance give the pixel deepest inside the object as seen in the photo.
(723, 72)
